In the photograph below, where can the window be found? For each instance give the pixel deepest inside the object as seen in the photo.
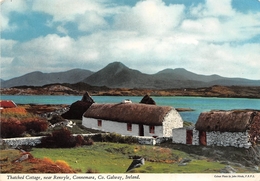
(129, 127)
(99, 123)
(151, 129)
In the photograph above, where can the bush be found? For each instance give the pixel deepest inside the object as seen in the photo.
(13, 112)
(56, 119)
(115, 138)
(36, 125)
(15, 121)
(63, 138)
(46, 165)
(11, 128)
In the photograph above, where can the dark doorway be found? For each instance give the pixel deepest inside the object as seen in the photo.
(189, 136)
(202, 138)
(141, 130)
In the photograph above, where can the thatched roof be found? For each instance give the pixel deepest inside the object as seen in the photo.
(129, 113)
(225, 121)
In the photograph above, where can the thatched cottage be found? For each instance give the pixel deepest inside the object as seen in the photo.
(133, 119)
(238, 128)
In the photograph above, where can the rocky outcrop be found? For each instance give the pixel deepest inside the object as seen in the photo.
(78, 108)
(148, 100)
(87, 98)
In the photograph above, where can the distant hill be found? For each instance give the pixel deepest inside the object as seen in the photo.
(39, 79)
(183, 74)
(117, 75)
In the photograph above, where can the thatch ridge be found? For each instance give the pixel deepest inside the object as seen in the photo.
(129, 113)
(225, 121)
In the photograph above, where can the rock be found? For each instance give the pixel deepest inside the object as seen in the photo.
(87, 98)
(225, 162)
(182, 164)
(185, 160)
(238, 165)
(256, 168)
(76, 110)
(228, 169)
(147, 100)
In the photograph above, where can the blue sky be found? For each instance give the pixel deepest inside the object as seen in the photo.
(203, 36)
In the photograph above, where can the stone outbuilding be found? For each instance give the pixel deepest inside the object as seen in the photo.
(133, 119)
(238, 128)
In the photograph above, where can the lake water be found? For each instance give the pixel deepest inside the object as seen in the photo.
(199, 104)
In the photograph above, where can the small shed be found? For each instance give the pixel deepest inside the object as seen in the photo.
(239, 128)
(7, 104)
(133, 119)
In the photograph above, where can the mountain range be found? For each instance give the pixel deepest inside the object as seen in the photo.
(117, 75)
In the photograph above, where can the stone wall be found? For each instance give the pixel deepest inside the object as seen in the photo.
(195, 139)
(14, 142)
(33, 141)
(236, 139)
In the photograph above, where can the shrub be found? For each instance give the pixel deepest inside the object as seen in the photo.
(114, 137)
(56, 119)
(36, 125)
(63, 138)
(11, 128)
(89, 142)
(46, 165)
(18, 111)
(15, 121)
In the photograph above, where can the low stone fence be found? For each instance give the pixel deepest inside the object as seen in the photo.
(33, 141)
(15, 142)
(145, 140)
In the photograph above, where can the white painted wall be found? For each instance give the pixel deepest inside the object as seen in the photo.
(111, 126)
(158, 131)
(179, 135)
(120, 128)
(171, 120)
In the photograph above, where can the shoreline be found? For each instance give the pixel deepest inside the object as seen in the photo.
(214, 91)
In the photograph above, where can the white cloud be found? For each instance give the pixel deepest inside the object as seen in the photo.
(213, 8)
(90, 21)
(62, 30)
(151, 16)
(88, 14)
(8, 7)
(65, 10)
(149, 36)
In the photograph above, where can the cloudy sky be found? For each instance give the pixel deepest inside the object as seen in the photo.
(203, 36)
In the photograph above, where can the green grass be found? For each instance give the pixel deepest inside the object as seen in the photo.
(114, 158)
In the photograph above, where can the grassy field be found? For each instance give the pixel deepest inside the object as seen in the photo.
(114, 158)
(104, 157)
